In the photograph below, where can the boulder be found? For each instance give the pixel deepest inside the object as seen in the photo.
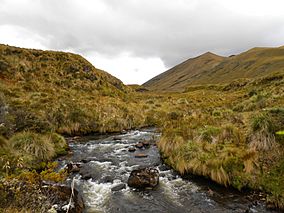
(73, 167)
(118, 187)
(143, 178)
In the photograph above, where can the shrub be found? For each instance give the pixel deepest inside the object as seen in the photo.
(38, 146)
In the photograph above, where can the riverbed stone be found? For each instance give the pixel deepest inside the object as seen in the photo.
(146, 144)
(118, 187)
(131, 149)
(143, 178)
(73, 167)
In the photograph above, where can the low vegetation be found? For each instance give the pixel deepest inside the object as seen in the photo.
(232, 145)
(231, 133)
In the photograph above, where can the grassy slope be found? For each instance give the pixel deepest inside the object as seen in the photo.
(254, 63)
(178, 77)
(61, 91)
(228, 134)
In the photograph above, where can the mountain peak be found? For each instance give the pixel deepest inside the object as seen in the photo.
(209, 54)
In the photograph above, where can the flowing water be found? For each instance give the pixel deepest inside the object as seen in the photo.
(106, 163)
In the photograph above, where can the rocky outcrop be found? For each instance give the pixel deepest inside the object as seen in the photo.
(143, 178)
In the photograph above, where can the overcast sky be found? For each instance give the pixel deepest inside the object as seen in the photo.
(135, 40)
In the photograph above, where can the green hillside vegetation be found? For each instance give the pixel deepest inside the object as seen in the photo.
(212, 69)
(231, 133)
(229, 130)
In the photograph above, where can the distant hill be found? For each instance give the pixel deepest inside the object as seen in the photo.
(178, 77)
(212, 69)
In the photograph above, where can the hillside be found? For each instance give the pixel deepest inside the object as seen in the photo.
(256, 62)
(178, 77)
(53, 69)
(46, 91)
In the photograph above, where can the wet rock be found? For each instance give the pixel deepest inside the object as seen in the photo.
(143, 178)
(131, 149)
(118, 187)
(86, 176)
(89, 159)
(88, 172)
(73, 167)
(85, 160)
(124, 132)
(146, 144)
(107, 179)
(139, 145)
(140, 155)
(163, 167)
(117, 138)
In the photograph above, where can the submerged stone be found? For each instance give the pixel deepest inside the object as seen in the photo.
(118, 187)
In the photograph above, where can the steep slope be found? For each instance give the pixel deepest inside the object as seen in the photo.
(256, 62)
(178, 77)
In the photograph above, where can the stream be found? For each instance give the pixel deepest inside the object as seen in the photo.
(106, 162)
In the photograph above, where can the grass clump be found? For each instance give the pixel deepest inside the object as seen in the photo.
(35, 145)
(262, 138)
(60, 144)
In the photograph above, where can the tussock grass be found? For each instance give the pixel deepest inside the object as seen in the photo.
(39, 147)
(262, 138)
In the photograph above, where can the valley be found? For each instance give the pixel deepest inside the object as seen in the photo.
(220, 118)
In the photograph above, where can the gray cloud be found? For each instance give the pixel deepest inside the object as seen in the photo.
(170, 30)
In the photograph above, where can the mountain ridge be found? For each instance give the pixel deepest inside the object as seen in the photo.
(255, 62)
(177, 76)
